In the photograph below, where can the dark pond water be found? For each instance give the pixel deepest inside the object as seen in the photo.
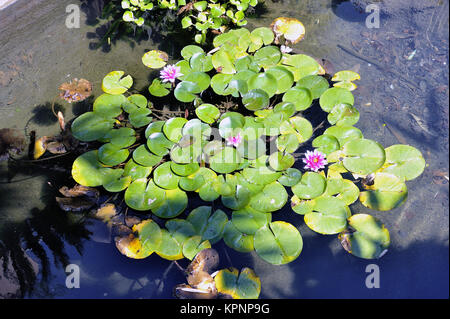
(402, 97)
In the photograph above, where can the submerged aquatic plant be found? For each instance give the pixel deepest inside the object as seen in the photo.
(245, 158)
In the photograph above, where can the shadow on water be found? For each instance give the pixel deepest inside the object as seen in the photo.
(32, 246)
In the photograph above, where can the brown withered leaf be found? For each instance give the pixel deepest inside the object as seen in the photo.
(74, 204)
(106, 212)
(10, 140)
(75, 90)
(78, 191)
(56, 147)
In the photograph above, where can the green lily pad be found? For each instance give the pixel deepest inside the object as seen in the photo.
(174, 204)
(326, 143)
(263, 81)
(88, 171)
(201, 62)
(149, 234)
(299, 126)
(209, 225)
(154, 127)
(256, 99)
(369, 238)
(188, 51)
(144, 157)
(285, 107)
(223, 62)
(267, 56)
(158, 144)
(236, 239)
(144, 195)
(344, 133)
(230, 123)
(284, 78)
(122, 137)
(334, 96)
(404, 161)
(112, 155)
(113, 83)
(155, 59)
(139, 117)
(300, 65)
(186, 91)
(243, 285)
(311, 186)
(343, 114)
(278, 243)
(287, 143)
(226, 161)
(208, 113)
(316, 84)
(173, 128)
(169, 247)
(193, 246)
(329, 216)
(252, 149)
(265, 34)
(136, 171)
(108, 105)
(272, 198)
(300, 97)
(201, 79)
(164, 177)
(290, 177)
(248, 220)
(280, 162)
(363, 156)
(387, 192)
(91, 126)
(157, 88)
(184, 169)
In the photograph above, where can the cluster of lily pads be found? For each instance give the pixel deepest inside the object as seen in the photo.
(201, 15)
(244, 159)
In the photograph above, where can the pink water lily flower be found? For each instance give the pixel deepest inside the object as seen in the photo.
(314, 160)
(234, 140)
(170, 73)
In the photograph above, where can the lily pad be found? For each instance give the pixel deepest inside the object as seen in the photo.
(193, 246)
(109, 105)
(329, 215)
(236, 239)
(272, 198)
(157, 88)
(88, 171)
(316, 84)
(363, 156)
(387, 192)
(278, 243)
(91, 126)
(144, 195)
(173, 128)
(404, 161)
(300, 97)
(311, 186)
(248, 220)
(208, 113)
(174, 204)
(143, 156)
(256, 99)
(155, 59)
(158, 144)
(343, 114)
(139, 118)
(243, 285)
(226, 161)
(164, 177)
(326, 143)
(113, 83)
(290, 177)
(334, 96)
(136, 171)
(112, 155)
(368, 239)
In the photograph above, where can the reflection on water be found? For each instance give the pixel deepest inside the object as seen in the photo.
(37, 239)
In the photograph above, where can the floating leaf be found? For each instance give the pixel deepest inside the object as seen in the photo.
(343, 114)
(272, 198)
(368, 239)
(237, 240)
(316, 84)
(344, 133)
(157, 88)
(300, 97)
(109, 105)
(291, 29)
(226, 161)
(169, 248)
(404, 161)
(278, 243)
(193, 246)
(267, 56)
(387, 192)
(334, 96)
(290, 177)
(144, 195)
(263, 81)
(139, 117)
(143, 156)
(243, 285)
(256, 99)
(158, 144)
(136, 171)
(88, 171)
(208, 113)
(91, 126)
(248, 220)
(363, 156)
(174, 204)
(113, 83)
(112, 155)
(173, 128)
(155, 59)
(311, 186)
(329, 216)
